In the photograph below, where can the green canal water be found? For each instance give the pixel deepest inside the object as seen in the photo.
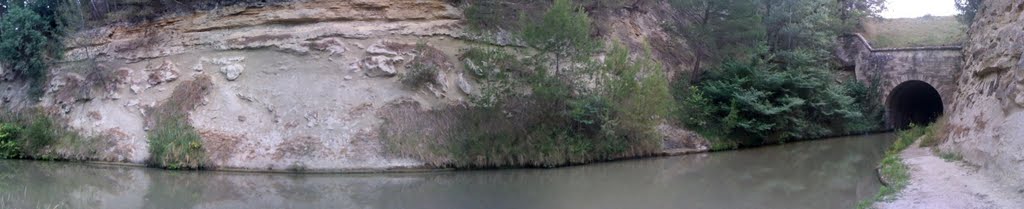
(830, 173)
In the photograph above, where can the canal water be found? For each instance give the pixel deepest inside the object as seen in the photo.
(831, 173)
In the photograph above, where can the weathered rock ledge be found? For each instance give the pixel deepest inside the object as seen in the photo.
(295, 87)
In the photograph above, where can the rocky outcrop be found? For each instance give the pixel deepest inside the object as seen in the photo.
(293, 27)
(165, 72)
(986, 120)
(232, 71)
(4, 74)
(293, 86)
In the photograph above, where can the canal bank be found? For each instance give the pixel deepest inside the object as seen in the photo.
(829, 173)
(423, 168)
(938, 181)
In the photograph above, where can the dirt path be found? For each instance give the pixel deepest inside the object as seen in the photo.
(937, 184)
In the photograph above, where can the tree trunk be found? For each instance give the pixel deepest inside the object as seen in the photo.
(695, 74)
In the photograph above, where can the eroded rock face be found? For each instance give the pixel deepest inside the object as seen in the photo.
(381, 61)
(315, 72)
(163, 73)
(232, 71)
(986, 120)
(334, 46)
(380, 66)
(676, 138)
(465, 86)
(68, 89)
(198, 67)
(380, 49)
(4, 74)
(226, 60)
(311, 25)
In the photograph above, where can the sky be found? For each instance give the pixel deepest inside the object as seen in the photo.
(918, 8)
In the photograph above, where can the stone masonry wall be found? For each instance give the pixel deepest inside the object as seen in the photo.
(937, 66)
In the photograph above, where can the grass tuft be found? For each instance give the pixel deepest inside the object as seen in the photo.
(951, 156)
(173, 142)
(424, 69)
(936, 133)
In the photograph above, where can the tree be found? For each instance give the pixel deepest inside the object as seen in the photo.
(968, 9)
(22, 44)
(31, 34)
(851, 12)
(800, 32)
(563, 31)
(779, 86)
(717, 29)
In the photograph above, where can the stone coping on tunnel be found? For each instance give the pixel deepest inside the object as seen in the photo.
(922, 48)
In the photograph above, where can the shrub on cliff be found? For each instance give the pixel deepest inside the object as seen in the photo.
(541, 112)
(33, 134)
(553, 123)
(173, 142)
(31, 34)
(9, 147)
(424, 69)
(22, 46)
(419, 75)
(38, 133)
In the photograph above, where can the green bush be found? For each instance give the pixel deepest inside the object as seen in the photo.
(639, 98)
(419, 75)
(424, 69)
(22, 46)
(174, 144)
(9, 147)
(490, 64)
(540, 112)
(867, 103)
(553, 123)
(30, 38)
(38, 133)
(753, 101)
(34, 134)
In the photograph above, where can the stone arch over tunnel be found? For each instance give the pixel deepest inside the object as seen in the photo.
(913, 102)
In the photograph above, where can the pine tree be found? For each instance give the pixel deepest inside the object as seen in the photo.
(718, 29)
(564, 32)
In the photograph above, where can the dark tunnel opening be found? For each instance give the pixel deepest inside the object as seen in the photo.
(914, 102)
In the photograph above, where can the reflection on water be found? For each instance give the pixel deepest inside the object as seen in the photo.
(819, 174)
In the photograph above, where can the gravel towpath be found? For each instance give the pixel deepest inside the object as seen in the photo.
(938, 184)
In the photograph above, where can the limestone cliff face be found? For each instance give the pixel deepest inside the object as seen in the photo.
(986, 120)
(294, 86)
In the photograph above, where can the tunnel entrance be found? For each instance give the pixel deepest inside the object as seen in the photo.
(913, 102)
